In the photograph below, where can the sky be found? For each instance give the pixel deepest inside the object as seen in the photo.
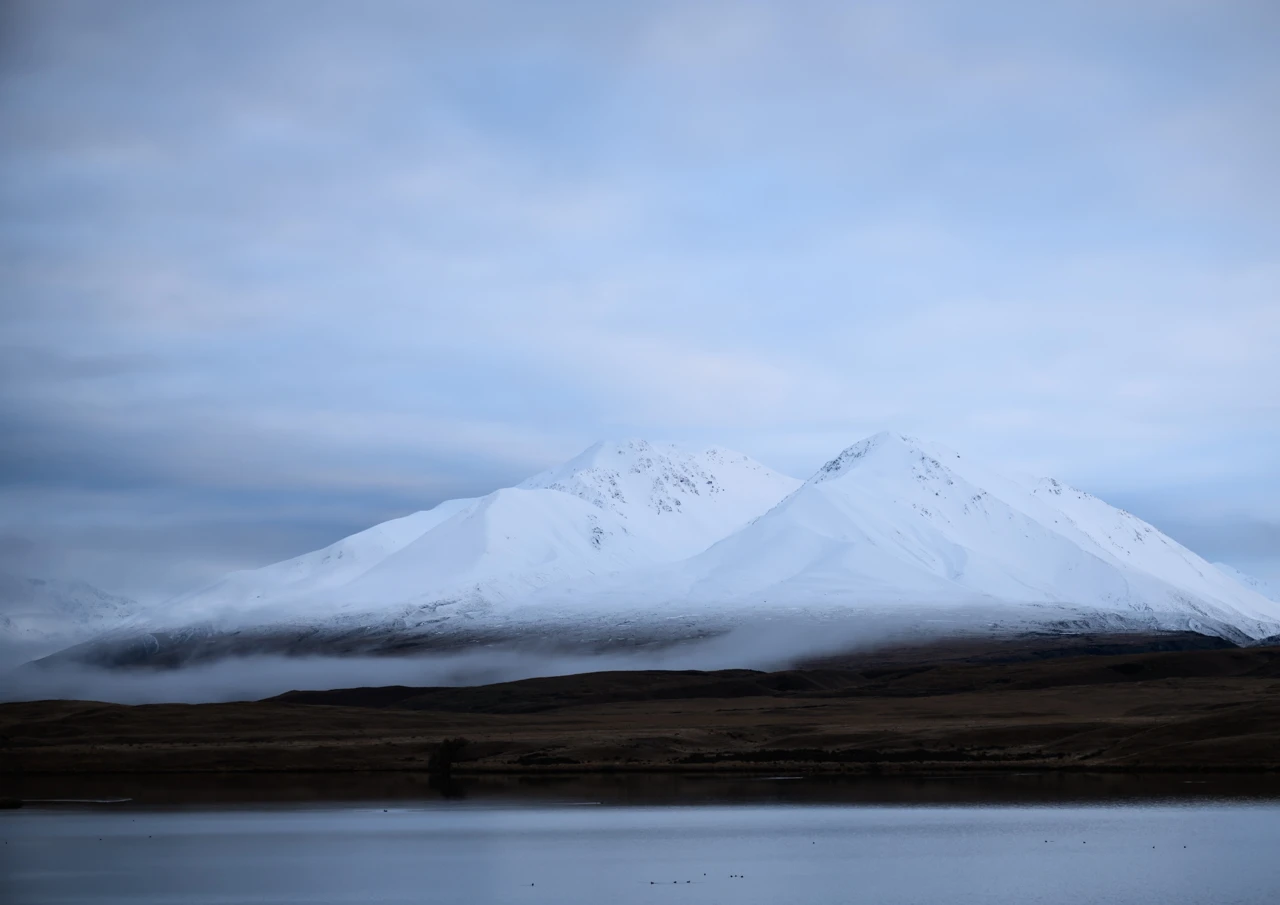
(272, 272)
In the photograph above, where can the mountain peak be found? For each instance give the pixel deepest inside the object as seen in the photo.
(618, 475)
(876, 445)
(607, 453)
(619, 504)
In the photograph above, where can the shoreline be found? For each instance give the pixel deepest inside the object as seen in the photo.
(679, 789)
(796, 769)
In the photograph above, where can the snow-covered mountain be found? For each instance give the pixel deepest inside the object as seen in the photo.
(1252, 582)
(631, 542)
(40, 613)
(892, 520)
(619, 506)
(674, 502)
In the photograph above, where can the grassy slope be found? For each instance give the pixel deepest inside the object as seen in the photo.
(939, 708)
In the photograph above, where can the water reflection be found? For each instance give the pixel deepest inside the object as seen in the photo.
(489, 851)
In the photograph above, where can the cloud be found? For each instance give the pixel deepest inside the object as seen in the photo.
(766, 644)
(295, 266)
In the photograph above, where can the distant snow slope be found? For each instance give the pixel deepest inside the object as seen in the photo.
(1265, 588)
(311, 574)
(618, 506)
(895, 519)
(43, 613)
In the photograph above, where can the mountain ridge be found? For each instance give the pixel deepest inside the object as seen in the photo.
(635, 543)
(891, 512)
(616, 506)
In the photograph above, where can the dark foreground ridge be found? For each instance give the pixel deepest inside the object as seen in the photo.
(1092, 705)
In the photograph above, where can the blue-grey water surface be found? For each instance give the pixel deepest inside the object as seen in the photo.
(470, 853)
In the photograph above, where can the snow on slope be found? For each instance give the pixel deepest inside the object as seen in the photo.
(508, 544)
(312, 573)
(674, 501)
(617, 506)
(1266, 589)
(39, 612)
(630, 533)
(895, 520)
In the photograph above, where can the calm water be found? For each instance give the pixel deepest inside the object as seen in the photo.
(550, 849)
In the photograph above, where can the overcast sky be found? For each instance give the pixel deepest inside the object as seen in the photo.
(275, 271)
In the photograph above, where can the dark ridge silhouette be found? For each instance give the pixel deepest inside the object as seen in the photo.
(925, 710)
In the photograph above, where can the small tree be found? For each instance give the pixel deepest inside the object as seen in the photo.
(441, 760)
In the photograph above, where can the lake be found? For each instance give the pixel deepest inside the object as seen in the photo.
(747, 840)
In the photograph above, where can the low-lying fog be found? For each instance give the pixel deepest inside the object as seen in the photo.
(764, 644)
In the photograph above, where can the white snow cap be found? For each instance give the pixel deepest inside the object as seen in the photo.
(892, 521)
(618, 506)
(860, 450)
(893, 518)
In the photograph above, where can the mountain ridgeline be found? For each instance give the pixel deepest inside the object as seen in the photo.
(633, 544)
